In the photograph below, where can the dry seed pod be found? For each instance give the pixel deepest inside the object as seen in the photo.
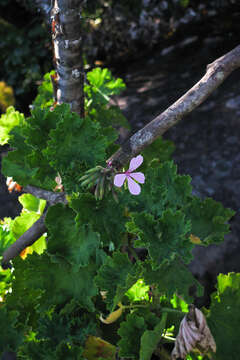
(194, 334)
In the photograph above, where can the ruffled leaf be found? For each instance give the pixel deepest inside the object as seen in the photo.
(8, 121)
(77, 244)
(11, 337)
(164, 188)
(163, 237)
(131, 332)
(209, 220)
(103, 85)
(151, 338)
(56, 280)
(100, 215)
(224, 316)
(173, 277)
(115, 277)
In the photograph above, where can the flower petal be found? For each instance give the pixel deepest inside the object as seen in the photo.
(133, 187)
(135, 163)
(119, 179)
(138, 176)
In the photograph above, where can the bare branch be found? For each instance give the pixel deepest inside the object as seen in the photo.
(37, 229)
(51, 197)
(216, 73)
(27, 239)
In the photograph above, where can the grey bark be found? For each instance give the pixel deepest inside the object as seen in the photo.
(50, 196)
(67, 47)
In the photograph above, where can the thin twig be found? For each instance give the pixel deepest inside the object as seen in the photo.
(216, 73)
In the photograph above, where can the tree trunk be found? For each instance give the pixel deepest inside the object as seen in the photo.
(67, 47)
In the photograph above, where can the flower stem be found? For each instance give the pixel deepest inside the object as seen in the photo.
(169, 310)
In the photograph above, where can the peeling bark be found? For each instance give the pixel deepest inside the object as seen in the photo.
(216, 73)
(67, 48)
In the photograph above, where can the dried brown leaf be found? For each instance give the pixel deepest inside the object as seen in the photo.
(194, 334)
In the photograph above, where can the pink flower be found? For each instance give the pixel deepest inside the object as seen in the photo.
(131, 177)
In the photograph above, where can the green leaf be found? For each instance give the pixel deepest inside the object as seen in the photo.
(31, 203)
(27, 164)
(138, 292)
(44, 176)
(8, 121)
(41, 122)
(111, 135)
(76, 145)
(23, 298)
(67, 352)
(131, 332)
(109, 116)
(15, 165)
(39, 246)
(6, 238)
(160, 149)
(44, 350)
(37, 134)
(209, 219)
(100, 215)
(184, 3)
(45, 92)
(23, 222)
(32, 210)
(224, 316)
(77, 244)
(10, 337)
(151, 338)
(57, 281)
(163, 188)
(5, 282)
(58, 328)
(116, 276)
(103, 85)
(164, 236)
(179, 303)
(172, 277)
